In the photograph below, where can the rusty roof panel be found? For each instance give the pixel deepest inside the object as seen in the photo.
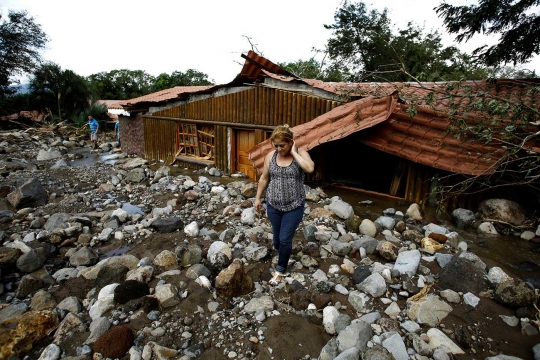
(333, 125)
(164, 95)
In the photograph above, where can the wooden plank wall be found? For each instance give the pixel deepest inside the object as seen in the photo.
(159, 139)
(419, 183)
(257, 106)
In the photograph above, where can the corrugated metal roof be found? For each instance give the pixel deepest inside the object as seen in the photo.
(389, 128)
(164, 95)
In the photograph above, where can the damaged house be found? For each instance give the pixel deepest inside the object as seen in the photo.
(384, 138)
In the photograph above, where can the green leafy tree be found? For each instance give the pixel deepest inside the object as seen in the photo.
(62, 92)
(517, 22)
(313, 69)
(121, 84)
(178, 78)
(21, 39)
(365, 48)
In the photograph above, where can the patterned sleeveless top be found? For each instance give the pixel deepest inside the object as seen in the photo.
(286, 189)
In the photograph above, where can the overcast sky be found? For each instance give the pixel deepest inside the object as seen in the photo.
(207, 35)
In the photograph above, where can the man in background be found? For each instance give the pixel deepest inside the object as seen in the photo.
(94, 126)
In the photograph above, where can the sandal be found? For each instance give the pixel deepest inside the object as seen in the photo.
(276, 279)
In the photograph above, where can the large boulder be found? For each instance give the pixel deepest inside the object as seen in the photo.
(428, 310)
(233, 281)
(502, 210)
(515, 293)
(342, 209)
(464, 273)
(29, 194)
(44, 155)
(136, 175)
(167, 225)
(57, 221)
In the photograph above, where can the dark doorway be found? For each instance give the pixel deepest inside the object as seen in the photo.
(349, 162)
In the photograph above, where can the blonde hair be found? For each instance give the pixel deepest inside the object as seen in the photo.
(282, 132)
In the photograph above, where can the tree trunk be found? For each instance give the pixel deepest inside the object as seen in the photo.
(59, 110)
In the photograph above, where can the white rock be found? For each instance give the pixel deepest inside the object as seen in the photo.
(157, 212)
(341, 289)
(471, 299)
(192, 229)
(496, 275)
(367, 227)
(107, 291)
(393, 310)
(438, 338)
(342, 209)
(122, 215)
(510, 320)
(248, 216)
(487, 228)
(319, 275)
(167, 295)
(101, 307)
(330, 317)
(51, 352)
(414, 212)
(407, 262)
(219, 246)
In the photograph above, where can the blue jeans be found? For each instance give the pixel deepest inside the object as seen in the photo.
(284, 224)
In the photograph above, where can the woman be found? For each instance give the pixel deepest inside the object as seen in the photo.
(283, 173)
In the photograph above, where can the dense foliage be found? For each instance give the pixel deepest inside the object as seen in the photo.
(364, 47)
(517, 22)
(21, 39)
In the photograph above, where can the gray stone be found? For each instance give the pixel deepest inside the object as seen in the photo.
(248, 216)
(98, 327)
(167, 295)
(527, 235)
(463, 218)
(407, 262)
(71, 325)
(370, 318)
(536, 351)
(471, 299)
(378, 353)
(30, 262)
(188, 255)
(360, 301)
(410, 326)
(510, 320)
(496, 275)
(487, 228)
(421, 347)
(29, 194)
(514, 293)
(450, 296)
(135, 176)
(330, 316)
(464, 273)
(51, 352)
(111, 274)
(355, 335)
(44, 155)
(443, 259)
(340, 248)
(264, 302)
(393, 342)
(65, 274)
(61, 163)
(42, 300)
(385, 222)
(438, 339)
(361, 272)
(504, 357)
(349, 354)
(309, 233)
(374, 285)
(255, 253)
(329, 351)
(12, 311)
(105, 234)
(366, 242)
(85, 256)
(197, 270)
(342, 209)
(167, 225)
(428, 310)
(71, 304)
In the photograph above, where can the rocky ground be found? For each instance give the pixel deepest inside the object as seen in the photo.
(128, 261)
